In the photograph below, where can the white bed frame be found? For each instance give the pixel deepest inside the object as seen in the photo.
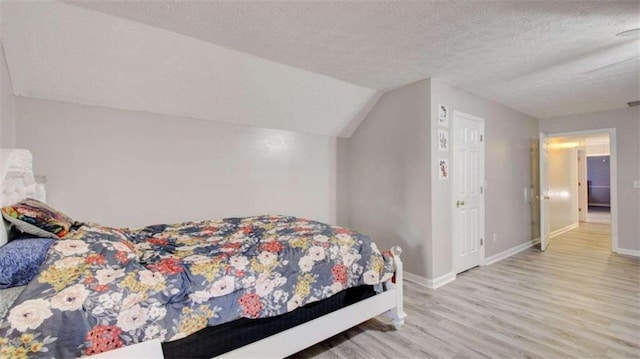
(17, 182)
(305, 335)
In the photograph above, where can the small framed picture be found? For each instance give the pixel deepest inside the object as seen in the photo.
(443, 169)
(443, 115)
(443, 140)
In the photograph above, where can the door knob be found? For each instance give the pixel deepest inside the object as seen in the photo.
(459, 203)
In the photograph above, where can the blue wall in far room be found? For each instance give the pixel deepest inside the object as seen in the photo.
(598, 180)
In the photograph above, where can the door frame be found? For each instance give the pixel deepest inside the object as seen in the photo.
(543, 196)
(613, 174)
(583, 205)
(483, 180)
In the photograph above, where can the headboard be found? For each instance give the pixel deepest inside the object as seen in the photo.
(17, 181)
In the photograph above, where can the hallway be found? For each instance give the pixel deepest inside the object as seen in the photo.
(587, 238)
(599, 215)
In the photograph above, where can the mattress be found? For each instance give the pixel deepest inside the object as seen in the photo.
(213, 341)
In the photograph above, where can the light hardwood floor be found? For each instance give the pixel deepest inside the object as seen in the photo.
(575, 300)
(599, 215)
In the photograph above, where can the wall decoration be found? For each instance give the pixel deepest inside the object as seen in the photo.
(443, 169)
(443, 140)
(443, 115)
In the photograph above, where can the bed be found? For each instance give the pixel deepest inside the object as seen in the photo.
(260, 286)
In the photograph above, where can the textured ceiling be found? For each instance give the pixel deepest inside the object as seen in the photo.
(530, 55)
(544, 58)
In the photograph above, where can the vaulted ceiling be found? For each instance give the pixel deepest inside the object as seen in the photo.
(318, 67)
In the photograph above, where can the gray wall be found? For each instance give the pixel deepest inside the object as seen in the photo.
(508, 135)
(395, 196)
(627, 125)
(562, 177)
(7, 105)
(389, 178)
(127, 168)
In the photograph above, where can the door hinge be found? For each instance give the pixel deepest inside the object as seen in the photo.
(481, 190)
(481, 138)
(481, 242)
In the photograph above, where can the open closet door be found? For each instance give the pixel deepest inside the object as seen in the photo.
(544, 192)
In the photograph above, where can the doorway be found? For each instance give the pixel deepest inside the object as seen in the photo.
(598, 167)
(579, 184)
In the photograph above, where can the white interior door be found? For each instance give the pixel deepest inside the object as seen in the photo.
(544, 192)
(468, 193)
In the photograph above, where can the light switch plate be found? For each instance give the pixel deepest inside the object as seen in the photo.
(636, 184)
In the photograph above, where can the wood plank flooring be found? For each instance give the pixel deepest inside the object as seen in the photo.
(599, 215)
(575, 300)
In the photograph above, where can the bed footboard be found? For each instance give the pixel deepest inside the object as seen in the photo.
(397, 313)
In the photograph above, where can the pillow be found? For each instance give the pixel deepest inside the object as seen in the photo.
(36, 218)
(20, 260)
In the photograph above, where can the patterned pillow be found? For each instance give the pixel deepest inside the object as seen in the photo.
(20, 260)
(36, 218)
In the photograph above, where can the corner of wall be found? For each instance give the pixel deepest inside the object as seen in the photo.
(353, 125)
(342, 182)
(440, 191)
(388, 174)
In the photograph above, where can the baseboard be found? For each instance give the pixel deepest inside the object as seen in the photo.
(627, 252)
(417, 279)
(509, 252)
(563, 230)
(442, 280)
(430, 283)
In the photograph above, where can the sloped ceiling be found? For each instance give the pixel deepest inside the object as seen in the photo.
(62, 52)
(319, 66)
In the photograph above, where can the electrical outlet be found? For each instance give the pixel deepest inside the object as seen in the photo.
(636, 184)
(495, 237)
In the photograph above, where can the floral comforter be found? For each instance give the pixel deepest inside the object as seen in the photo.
(102, 288)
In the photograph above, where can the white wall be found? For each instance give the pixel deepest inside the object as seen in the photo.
(627, 124)
(7, 105)
(58, 51)
(563, 186)
(598, 150)
(127, 168)
(389, 179)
